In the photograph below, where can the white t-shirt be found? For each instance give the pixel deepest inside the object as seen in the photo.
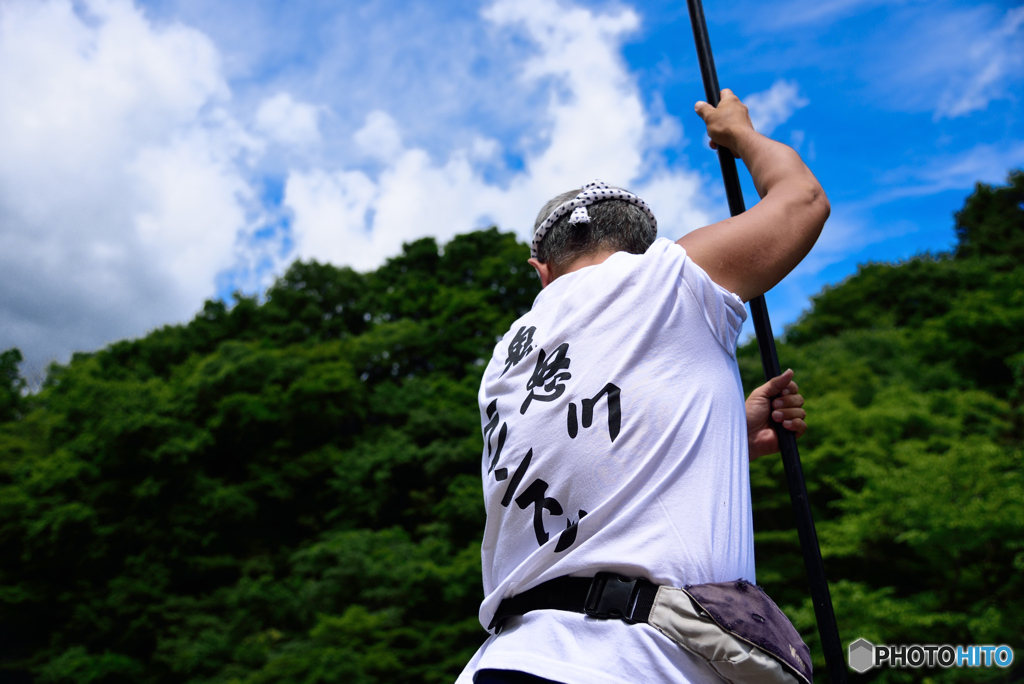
(614, 440)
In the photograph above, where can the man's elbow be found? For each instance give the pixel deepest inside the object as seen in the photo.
(822, 207)
(814, 209)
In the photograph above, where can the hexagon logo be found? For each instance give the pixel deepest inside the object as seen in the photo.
(862, 655)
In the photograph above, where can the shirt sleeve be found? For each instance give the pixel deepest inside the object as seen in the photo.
(723, 310)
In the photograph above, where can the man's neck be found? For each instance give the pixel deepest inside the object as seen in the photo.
(548, 276)
(583, 262)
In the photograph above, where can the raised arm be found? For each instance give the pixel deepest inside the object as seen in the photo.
(750, 253)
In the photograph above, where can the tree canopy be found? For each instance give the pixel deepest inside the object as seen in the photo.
(287, 489)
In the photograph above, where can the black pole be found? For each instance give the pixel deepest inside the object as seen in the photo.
(834, 661)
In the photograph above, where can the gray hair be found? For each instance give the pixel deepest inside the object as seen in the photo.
(615, 225)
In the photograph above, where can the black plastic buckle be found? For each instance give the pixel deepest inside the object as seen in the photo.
(611, 597)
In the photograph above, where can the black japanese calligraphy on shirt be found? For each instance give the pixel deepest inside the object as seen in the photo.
(614, 412)
(520, 347)
(568, 536)
(517, 477)
(492, 424)
(549, 376)
(546, 383)
(536, 494)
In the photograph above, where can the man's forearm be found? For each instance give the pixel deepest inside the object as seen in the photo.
(773, 164)
(790, 191)
(751, 252)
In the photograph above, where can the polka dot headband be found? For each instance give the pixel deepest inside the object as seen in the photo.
(598, 191)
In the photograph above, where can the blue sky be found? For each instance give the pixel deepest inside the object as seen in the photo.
(157, 153)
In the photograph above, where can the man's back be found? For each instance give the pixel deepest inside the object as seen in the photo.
(615, 440)
(613, 418)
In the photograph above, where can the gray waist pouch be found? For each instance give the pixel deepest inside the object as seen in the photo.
(736, 629)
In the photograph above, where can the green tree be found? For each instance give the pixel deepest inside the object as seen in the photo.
(12, 385)
(287, 489)
(991, 224)
(283, 490)
(914, 456)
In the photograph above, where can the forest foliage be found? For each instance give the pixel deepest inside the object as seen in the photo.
(287, 489)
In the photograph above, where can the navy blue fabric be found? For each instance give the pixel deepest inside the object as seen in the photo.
(508, 677)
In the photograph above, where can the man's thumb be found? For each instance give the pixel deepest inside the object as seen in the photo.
(703, 109)
(780, 382)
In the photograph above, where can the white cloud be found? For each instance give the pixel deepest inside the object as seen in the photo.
(982, 163)
(847, 233)
(484, 149)
(331, 214)
(120, 195)
(128, 191)
(283, 119)
(663, 130)
(991, 58)
(593, 125)
(379, 136)
(950, 59)
(771, 108)
(796, 139)
(818, 11)
(190, 208)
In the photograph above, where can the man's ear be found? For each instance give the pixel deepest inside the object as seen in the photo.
(543, 270)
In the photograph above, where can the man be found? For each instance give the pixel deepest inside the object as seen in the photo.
(616, 437)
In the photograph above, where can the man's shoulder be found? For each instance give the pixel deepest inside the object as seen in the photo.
(651, 270)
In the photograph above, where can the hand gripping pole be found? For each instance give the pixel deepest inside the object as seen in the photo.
(834, 661)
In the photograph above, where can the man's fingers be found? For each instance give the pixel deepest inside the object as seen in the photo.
(797, 426)
(788, 401)
(783, 415)
(703, 108)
